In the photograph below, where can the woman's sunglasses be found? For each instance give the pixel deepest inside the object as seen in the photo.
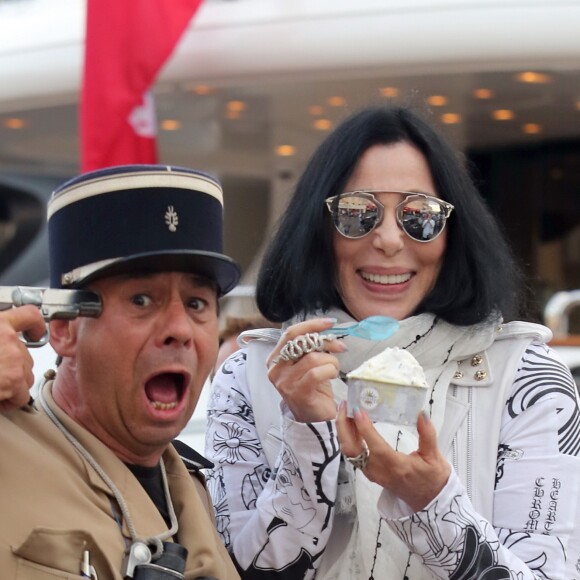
(357, 213)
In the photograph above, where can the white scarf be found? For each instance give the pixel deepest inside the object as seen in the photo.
(438, 347)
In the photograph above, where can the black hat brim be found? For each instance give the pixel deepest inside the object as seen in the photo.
(216, 267)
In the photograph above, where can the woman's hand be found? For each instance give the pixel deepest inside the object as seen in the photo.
(16, 375)
(416, 478)
(305, 383)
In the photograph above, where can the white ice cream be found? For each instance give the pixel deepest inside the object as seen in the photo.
(394, 366)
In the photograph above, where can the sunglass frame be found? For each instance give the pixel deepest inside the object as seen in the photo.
(332, 205)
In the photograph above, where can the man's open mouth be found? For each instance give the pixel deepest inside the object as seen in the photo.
(165, 390)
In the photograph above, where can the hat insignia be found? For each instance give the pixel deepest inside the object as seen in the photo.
(171, 219)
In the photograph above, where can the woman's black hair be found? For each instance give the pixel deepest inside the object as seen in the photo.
(479, 275)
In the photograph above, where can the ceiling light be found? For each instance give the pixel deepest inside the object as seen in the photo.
(236, 106)
(451, 118)
(322, 124)
(533, 77)
(532, 129)
(170, 125)
(336, 101)
(578, 105)
(389, 91)
(285, 150)
(503, 115)
(437, 100)
(15, 123)
(315, 110)
(483, 93)
(203, 90)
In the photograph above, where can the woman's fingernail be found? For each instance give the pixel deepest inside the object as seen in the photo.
(330, 320)
(425, 414)
(361, 415)
(343, 346)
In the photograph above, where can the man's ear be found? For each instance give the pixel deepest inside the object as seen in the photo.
(63, 336)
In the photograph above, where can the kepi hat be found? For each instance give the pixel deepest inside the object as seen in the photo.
(138, 218)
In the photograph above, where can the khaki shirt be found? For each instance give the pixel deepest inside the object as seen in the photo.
(54, 506)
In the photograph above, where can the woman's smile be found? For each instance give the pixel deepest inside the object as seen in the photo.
(386, 279)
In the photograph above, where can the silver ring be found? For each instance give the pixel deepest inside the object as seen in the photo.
(303, 344)
(360, 461)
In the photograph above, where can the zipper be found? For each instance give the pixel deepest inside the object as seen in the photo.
(454, 460)
(469, 443)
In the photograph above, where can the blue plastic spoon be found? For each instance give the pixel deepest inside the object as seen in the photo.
(371, 328)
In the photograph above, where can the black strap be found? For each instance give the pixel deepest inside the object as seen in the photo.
(193, 460)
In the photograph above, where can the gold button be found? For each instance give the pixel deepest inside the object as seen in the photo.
(480, 375)
(458, 375)
(476, 360)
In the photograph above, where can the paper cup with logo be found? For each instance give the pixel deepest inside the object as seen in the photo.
(389, 387)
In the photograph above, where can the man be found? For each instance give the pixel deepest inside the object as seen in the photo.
(91, 484)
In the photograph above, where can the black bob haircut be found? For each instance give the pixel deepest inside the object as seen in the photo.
(479, 276)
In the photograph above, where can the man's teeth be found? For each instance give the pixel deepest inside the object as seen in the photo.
(163, 406)
(386, 279)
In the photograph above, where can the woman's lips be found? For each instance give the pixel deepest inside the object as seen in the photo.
(386, 279)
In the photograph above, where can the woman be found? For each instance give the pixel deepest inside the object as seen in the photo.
(486, 485)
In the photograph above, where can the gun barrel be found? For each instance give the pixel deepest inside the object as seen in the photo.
(54, 303)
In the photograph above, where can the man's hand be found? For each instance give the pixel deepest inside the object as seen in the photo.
(16, 375)
(416, 478)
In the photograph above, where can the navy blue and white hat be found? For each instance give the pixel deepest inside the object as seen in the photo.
(138, 218)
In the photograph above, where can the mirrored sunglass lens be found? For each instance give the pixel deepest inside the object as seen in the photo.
(354, 216)
(422, 218)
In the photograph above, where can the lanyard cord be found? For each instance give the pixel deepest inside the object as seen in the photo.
(157, 540)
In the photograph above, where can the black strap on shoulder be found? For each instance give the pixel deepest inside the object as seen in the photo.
(193, 460)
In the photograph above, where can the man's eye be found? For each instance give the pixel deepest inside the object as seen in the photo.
(197, 304)
(141, 300)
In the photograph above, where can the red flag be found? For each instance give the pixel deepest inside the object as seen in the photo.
(127, 43)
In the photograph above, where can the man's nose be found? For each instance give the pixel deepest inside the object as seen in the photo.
(177, 325)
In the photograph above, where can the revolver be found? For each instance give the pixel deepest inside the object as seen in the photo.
(54, 304)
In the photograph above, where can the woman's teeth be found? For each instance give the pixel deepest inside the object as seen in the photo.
(386, 279)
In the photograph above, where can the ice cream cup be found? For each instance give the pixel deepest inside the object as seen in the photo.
(386, 402)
